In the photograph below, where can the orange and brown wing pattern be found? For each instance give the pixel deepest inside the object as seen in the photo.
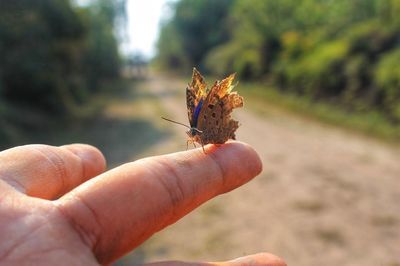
(214, 119)
(196, 92)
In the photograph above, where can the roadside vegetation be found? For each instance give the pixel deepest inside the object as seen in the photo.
(56, 57)
(337, 60)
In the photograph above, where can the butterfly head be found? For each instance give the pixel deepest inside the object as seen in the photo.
(193, 132)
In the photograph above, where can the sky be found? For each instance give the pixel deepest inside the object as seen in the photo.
(143, 26)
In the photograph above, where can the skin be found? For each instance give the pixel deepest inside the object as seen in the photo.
(58, 205)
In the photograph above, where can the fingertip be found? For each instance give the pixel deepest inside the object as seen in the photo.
(94, 162)
(237, 159)
(250, 154)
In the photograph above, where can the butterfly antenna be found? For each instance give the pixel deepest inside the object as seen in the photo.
(175, 122)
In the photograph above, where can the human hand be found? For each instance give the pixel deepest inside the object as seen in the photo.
(59, 206)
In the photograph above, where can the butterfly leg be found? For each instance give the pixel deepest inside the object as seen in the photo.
(202, 145)
(190, 141)
(204, 149)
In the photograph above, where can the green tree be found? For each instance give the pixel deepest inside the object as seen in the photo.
(336, 51)
(53, 56)
(195, 28)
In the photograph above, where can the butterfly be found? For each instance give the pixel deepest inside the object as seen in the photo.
(209, 110)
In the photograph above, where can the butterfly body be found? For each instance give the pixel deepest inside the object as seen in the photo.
(209, 110)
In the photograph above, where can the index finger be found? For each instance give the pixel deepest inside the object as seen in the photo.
(121, 208)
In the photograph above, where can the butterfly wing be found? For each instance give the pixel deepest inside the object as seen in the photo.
(214, 118)
(195, 95)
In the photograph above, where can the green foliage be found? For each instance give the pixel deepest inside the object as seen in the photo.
(50, 49)
(387, 78)
(171, 53)
(31, 49)
(230, 58)
(311, 73)
(53, 57)
(197, 26)
(341, 52)
(101, 58)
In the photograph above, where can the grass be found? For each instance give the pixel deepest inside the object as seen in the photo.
(370, 123)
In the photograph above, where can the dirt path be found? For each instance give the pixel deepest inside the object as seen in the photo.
(325, 197)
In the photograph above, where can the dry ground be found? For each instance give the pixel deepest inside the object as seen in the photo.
(325, 196)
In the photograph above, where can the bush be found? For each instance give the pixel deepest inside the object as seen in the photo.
(233, 58)
(317, 73)
(52, 52)
(387, 80)
(329, 51)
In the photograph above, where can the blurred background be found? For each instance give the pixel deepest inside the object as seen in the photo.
(321, 81)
